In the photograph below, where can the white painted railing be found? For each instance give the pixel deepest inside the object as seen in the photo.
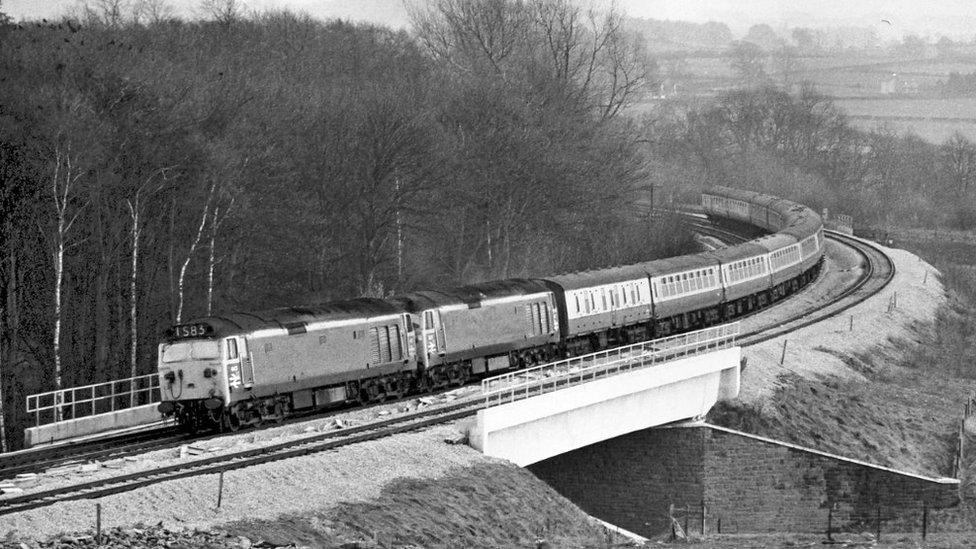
(581, 369)
(89, 400)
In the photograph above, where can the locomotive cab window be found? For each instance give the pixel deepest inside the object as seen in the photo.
(191, 350)
(231, 349)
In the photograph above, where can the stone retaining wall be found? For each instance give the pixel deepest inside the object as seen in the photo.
(748, 483)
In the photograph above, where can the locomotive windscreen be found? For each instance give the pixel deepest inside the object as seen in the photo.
(190, 350)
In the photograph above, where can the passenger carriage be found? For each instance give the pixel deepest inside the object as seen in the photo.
(602, 307)
(686, 292)
(745, 277)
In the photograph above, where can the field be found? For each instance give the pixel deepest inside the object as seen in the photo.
(901, 95)
(931, 119)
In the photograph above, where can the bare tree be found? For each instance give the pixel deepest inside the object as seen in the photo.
(960, 159)
(590, 50)
(135, 205)
(216, 218)
(192, 250)
(470, 34)
(787, 63)
(747, 60)
(152, 11)
(587, 51)
(225, 12)
(64, 181)
(107, 13)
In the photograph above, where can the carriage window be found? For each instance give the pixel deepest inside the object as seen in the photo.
(576, 297)
(428, 320)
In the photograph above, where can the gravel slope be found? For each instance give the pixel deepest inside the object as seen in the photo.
(848, 391)
(825, 349)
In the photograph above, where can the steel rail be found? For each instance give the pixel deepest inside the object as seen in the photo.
(413, 421)
(238, 460)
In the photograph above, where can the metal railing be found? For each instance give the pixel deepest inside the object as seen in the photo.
(90, 400)
(574, 371)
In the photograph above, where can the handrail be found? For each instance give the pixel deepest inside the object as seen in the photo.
(549, 377)
(89, 400)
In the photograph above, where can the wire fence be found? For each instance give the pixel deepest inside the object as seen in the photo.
(699, 519)
(90, 400)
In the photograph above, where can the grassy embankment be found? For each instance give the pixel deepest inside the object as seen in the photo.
(906, 415)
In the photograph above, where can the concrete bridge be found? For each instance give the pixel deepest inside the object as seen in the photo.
(535, 414)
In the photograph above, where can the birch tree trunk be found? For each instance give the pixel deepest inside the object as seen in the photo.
(133, 297)
(215, 220)
(211, 260)
(189, 253)
(61, 187)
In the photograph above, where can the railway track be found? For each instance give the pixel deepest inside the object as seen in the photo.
(115, 447)
(33, 461)
(878, 272)
(246, 458)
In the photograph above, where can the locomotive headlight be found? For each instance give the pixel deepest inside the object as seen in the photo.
(209, 372)
(170, 377)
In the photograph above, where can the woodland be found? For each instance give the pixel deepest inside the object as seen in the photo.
(156, 169)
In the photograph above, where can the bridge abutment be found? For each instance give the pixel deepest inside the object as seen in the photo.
(749, 483)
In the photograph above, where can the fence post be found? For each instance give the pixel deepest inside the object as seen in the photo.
(220, 489)
(925, 519)
(703, 517)
(962, 443)
(877, 537)
(782, 357)
(98, 523)
(830, 522)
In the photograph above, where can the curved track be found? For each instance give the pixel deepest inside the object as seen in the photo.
(878, 272)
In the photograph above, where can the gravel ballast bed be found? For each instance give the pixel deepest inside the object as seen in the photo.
(319, 481)
(319, 484)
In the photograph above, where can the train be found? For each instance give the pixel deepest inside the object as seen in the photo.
(245, 368)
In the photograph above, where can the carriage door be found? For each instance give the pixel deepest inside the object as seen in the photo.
(240, 369)
(433, 332)
(410, 336)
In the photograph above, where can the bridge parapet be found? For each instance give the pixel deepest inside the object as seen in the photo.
(539, 413)
(561, 374)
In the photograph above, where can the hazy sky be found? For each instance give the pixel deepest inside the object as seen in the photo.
(956, 18)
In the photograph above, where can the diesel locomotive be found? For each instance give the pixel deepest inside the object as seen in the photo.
(243, 368)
